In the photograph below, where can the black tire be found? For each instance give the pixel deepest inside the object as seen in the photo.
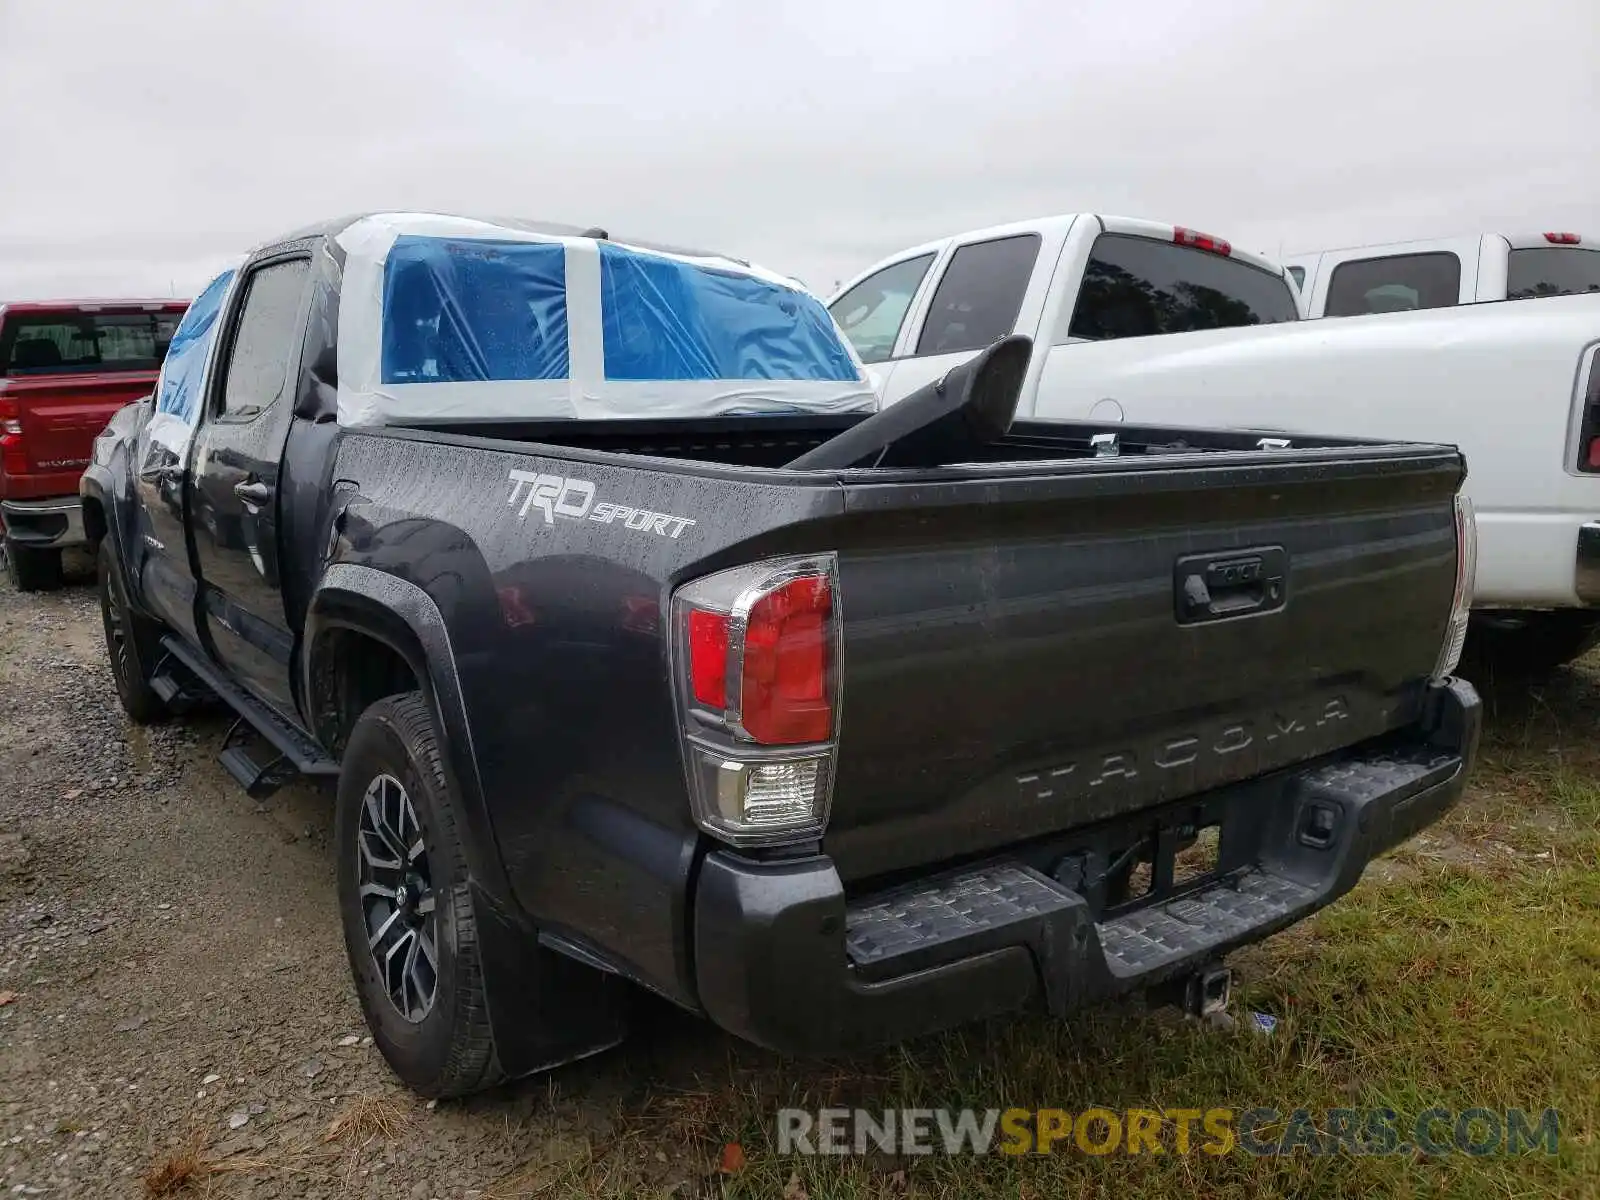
(31, 569)
(133, 644)
(1527, 645)
(445, 1049)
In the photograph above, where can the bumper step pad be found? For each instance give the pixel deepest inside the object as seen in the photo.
(952, 916)
(1149, 938)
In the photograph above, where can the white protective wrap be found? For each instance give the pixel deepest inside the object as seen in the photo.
(366, 399)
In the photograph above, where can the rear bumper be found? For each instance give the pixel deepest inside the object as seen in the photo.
(50, 524)
(785, 959)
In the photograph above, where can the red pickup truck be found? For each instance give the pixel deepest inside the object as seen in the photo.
(65, 367)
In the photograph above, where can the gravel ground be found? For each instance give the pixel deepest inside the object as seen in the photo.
(172, 974)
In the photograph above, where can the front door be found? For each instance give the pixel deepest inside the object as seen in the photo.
(233, 501)
(160, 552)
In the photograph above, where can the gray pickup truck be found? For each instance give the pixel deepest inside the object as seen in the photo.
(643, 652)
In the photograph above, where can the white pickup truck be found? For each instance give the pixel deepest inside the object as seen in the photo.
(1444, 272)
(1141, 324)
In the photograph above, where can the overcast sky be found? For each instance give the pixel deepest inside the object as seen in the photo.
(144, 143)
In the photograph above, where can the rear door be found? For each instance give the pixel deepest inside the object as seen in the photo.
(233, 490)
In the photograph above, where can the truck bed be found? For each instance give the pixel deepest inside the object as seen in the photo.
(771, 441)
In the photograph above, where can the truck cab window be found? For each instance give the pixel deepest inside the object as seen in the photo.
(871, 313)
(1138, 287)
(1557, 271)
(978, 299)
(1398, 283)
(258, 363)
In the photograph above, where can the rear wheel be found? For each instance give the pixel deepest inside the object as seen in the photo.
(31, 569)
(132, 643)
(409, 926)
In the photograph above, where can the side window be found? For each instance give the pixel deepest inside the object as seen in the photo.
(871, 313)
(1139, 287)
(1399, 283)
(980, 295)
(178, 387)
(259, 361)
(1299, 274)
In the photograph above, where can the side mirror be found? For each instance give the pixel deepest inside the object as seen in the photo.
(972, 406)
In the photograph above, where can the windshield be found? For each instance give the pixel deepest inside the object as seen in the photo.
(1552, 271)
(51, 343)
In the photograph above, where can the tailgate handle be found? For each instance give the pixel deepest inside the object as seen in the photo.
(1235, 583)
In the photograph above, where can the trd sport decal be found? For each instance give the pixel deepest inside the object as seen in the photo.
(557, 496)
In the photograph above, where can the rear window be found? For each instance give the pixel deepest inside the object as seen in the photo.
(51, 343)
(1552, 271)
(1137, 287)
(662, 319)
(1397, 283)
(458, 310)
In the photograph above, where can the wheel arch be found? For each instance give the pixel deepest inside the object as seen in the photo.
(97, 495)
(370, 634)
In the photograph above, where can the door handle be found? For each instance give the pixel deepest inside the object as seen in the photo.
(254, 494)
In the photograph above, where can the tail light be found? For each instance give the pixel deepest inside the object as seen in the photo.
(13, 455)
(1455, 634)
(1201, 241)
(756, 657)
(1563, 239)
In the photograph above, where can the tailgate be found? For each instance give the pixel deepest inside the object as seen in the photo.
(60, 417)
(1029, 654)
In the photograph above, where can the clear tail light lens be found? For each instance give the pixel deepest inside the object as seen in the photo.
(757, 652)
(1455, 634)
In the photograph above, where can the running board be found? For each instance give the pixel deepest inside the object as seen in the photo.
(289, 751)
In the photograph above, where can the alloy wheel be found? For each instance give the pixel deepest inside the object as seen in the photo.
(398, 905)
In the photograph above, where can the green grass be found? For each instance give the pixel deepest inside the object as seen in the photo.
(1464, 972)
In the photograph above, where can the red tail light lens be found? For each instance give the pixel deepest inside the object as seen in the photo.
(1201, 241)
(708, 658)
(1592, 459)
(785, 693)
(759, 645)
(13, 455)
(1563, 239)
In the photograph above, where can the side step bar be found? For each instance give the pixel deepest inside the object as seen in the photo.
(259, 769)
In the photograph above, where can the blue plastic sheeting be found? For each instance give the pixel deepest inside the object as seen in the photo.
(459, 310)
(186, 353)
(668, 320)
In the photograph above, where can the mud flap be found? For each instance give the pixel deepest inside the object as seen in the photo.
(545, 1009)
